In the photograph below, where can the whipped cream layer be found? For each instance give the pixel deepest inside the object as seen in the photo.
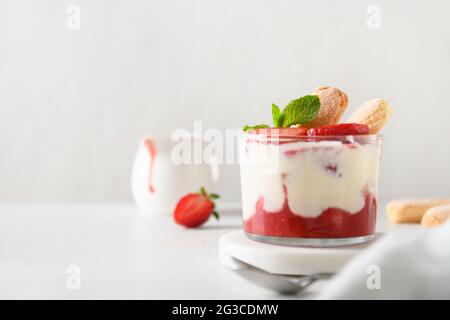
(312, 176)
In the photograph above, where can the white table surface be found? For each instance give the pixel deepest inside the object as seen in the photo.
(121, 253)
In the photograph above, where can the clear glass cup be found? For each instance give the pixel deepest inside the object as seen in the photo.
(309, 191)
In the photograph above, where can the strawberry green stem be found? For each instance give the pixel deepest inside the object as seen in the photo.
(211, 197)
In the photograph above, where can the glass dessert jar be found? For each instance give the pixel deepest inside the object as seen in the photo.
(309, 190)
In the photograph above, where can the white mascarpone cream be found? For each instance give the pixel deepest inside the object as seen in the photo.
(316, 175)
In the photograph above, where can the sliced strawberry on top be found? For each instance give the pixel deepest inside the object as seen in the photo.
(342, 129)
(281, 132)
(194, 209)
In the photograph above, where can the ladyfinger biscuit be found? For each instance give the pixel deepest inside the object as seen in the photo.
(333, 103)
(411, 210)
(436, 216)
(374, 113)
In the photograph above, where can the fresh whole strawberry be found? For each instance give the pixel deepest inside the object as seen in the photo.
(341, 129)
(194, 209)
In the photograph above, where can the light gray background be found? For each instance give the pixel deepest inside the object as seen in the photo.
(73, 104)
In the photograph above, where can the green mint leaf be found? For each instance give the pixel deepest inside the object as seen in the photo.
(281, 120)
(258, 126)
(215, 214)
(301, 111)
(276, 115)
(214, 196)
(203, 192)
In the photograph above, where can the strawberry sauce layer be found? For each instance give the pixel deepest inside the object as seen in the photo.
(332, 223)
(151, 148)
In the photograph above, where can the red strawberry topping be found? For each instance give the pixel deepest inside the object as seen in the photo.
(341, 129)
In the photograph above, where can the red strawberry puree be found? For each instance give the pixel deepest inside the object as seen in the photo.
(331, 223)
(151, 148)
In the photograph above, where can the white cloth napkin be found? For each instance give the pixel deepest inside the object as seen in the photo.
(404, 265)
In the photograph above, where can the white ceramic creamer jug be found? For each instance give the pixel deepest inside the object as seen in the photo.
(158, 181)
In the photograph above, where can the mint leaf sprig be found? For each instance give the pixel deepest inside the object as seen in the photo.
(298, 111)
(277, 116)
